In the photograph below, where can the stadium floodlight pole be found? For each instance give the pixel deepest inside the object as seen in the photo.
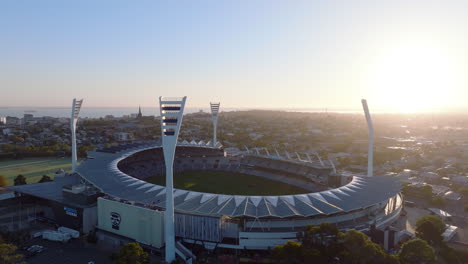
(214, 116)
(256, 150)
(277, 153)
(320, 159)
(246, 148)
(333, 165)
(172, 112)
(76, 106)
(298, 157)
(370, 127)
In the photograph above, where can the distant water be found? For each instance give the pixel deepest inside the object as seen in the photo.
(97, 112)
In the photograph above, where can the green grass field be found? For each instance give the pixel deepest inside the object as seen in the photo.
(227, 183)
(33, 168)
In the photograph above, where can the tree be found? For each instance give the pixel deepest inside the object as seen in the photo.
(83, 149)
(452, 255)
(438, 201)
(325, 244)
(20, 180)
(322, 238)
(132, 253)
(426, 191)
(3, 181)
(358, 248)
(291, 252)
(430, 228)
(16, 139)
(392, 259)
(318, 235)
(45, 178)
(416, 251)
(8, 255)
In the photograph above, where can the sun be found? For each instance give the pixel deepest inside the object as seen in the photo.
(411, 78)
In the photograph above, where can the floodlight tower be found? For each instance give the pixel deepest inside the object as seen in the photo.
(76, 106)
(172, 112)
(370, 127)
(332, 164)
(214, 116)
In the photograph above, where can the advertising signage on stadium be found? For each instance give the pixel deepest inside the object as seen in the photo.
(142, 224)
(70, 211)
(115, 219)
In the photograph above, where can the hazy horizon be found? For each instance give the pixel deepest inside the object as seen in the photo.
(98, 112)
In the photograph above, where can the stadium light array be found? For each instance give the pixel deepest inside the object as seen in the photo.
(172, 112)
(214, 116)
(76, 107)
(370, 127)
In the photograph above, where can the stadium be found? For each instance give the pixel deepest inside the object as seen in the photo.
(253, 222)
(129, 207)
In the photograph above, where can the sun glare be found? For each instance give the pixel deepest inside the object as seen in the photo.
(413, 78)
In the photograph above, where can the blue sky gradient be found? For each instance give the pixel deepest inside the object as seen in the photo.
(242, 53)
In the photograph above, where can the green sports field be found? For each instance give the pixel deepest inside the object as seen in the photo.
(227, 183)
(33, 168)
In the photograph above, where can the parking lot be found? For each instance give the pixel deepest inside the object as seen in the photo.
(73, 252)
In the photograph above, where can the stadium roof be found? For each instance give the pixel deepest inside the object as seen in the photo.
(50, 190)
(360, 193)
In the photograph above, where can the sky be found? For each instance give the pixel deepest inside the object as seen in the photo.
(401, 55)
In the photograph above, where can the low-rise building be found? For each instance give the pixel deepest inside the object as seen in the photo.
(460, 180)
(122, 136)
(454, 196)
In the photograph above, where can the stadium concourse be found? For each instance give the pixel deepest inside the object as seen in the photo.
(133, 208)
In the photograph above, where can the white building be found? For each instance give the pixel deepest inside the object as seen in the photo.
(8, 131)
(452, 196)
(255, 136)
(430, 176)
(122, 136)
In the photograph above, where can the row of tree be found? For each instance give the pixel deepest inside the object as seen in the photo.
(9, 255)
(8, 251)
(21, 180)
(430, 229)
(53, 149)
(326, 244)
(424, 192)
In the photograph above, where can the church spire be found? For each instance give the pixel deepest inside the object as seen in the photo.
(139, 112)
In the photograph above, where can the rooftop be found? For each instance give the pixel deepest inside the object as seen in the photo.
(360, 193)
